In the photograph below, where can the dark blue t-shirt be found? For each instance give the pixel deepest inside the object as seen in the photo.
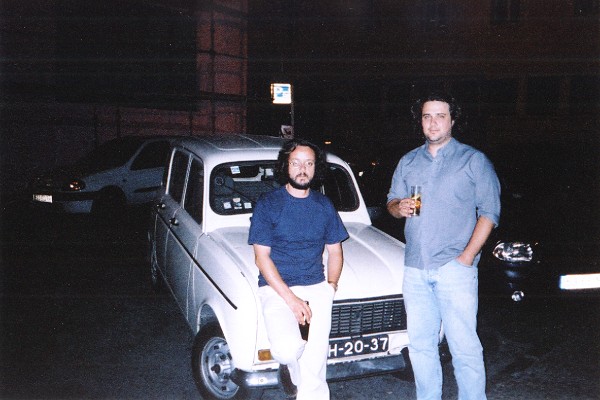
(296, 230)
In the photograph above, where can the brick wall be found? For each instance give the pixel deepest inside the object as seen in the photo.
(39, 131)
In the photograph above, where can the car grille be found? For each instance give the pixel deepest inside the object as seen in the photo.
(362, 317)
(42, 184)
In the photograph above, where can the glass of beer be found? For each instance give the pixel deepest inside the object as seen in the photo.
(415, 194)
(304, 329)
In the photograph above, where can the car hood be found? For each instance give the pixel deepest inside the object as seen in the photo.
(60, 176)
(373, 260)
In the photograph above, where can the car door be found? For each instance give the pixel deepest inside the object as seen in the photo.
(142, 181)
(185, 229)
(191, 216)
(168, 204)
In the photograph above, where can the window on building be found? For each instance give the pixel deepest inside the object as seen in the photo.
(436, 15)
(584, 8)
(138, 53)
(584, 94)
(506, 11)
(501, 96)
(543, 95)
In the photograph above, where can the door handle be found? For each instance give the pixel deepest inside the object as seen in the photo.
(174, 221)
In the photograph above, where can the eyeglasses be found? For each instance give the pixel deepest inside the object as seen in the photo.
(299, 164)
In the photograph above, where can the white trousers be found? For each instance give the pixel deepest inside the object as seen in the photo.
(306, 360)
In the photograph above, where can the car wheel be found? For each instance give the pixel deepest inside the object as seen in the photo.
(212, 367)
(109, 204)
(156, 279)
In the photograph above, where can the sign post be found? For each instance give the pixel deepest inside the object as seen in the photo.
(281, 93)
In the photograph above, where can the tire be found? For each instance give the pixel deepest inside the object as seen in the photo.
(212, 367)
(109, 205)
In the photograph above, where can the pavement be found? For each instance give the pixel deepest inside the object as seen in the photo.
(79, 321)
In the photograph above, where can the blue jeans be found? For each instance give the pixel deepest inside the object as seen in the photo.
(449, 295)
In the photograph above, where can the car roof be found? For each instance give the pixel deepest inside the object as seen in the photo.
(215, 149)
(231, 142)
(220, 148)
(141, 138)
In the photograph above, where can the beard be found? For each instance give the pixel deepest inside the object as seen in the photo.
(297, 185)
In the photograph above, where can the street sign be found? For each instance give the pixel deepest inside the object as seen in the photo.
(281, 93)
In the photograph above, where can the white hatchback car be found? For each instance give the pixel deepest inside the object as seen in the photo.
(198, 248)
(118, 173)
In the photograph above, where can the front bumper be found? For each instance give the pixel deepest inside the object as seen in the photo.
(338, 371)
(549, 279)
(70, 203)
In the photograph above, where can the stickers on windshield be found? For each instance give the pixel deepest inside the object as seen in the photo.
(235, 169)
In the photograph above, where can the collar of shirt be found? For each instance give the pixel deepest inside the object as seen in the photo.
(447, 150)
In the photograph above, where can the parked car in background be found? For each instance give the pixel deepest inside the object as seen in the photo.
(198, 249)
(118, 173)
(548, 241)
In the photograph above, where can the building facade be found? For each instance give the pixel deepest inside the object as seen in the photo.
(524, 70)
(77, 73)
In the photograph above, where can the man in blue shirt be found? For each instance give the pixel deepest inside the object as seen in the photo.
(460, 206)
(291, 227)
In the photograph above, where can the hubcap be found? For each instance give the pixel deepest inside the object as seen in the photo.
(216, 368)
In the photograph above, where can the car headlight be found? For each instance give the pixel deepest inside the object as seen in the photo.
(513, 251)
(74, 185)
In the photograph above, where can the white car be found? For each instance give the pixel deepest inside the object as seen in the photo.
(199, 248)
(118, 173)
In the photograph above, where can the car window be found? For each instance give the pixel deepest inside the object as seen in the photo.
(339, 188)
(235, 187)
(194, 190)
(153, 155)
(177, 176)
(108, 155)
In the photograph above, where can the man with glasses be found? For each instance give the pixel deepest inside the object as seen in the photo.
(290, 228)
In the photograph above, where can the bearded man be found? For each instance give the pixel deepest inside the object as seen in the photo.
(291, 226)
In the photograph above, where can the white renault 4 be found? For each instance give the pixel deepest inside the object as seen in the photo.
(198, 249)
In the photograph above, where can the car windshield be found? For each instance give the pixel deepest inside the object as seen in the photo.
(235, 187)
(109, 155)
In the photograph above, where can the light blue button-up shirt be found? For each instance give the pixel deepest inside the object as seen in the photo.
(459, 186)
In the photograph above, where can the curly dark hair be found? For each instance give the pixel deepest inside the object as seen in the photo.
(282, 168)
(455, 110)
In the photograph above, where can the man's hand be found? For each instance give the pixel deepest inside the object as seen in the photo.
(481, 232)
(300, 308)
(401, 208)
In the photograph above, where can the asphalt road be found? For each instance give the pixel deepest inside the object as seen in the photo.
(79, 321)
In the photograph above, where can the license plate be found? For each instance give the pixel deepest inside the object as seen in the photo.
(355, 347)
(583, 281)
(43, 198)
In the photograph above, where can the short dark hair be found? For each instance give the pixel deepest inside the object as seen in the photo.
(282, 168)
(417, 109)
